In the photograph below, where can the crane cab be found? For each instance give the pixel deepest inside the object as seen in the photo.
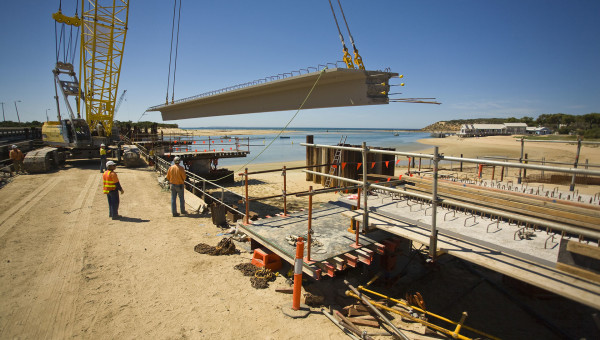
(67, 133)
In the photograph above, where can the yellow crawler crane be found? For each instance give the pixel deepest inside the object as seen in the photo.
(104, 29)
(101, 30)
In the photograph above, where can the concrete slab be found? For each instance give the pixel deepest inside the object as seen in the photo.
(336, 88)
(329, 231)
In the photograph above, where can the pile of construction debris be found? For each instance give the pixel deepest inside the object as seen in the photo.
(260, 277)
(410, 315)
(224, 247)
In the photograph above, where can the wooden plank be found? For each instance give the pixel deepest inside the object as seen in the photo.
(551, 279)
(521, 208)
(573, 207)
(195, 203)
(578, 271)
(584, 249)
(363, 322)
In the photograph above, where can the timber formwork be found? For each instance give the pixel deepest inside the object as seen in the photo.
(331, 250)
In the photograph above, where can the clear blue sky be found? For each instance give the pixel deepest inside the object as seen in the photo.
(480, 58)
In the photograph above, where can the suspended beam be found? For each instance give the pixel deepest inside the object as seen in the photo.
(337, 87)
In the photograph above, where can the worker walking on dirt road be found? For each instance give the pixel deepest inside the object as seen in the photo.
(111, 189)
(176, 176)
(102, 157)
(17, 157)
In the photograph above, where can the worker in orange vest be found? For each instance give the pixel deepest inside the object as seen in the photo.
(176, 176)
(102, 157)
(17, 157)
(111, 189)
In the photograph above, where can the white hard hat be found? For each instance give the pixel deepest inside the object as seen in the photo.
(102, 144)
(14, 146)
(109, 163)
(176, 159)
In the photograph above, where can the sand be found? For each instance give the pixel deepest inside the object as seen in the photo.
(510, 146)
(68, 271)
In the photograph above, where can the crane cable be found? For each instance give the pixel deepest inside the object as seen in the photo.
(176, 50)
(68, 48)
(357, 58)
(280, 132)
(347, 57)
(171, 51)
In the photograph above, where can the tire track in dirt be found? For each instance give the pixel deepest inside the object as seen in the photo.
(57, 319)
(49, 311)
(12, 215)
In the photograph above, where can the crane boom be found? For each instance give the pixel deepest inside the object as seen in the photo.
(104, 29)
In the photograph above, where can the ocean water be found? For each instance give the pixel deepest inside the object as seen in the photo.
(289, 149)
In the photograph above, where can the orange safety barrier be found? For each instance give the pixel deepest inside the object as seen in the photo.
(298, 274)
(266, 259)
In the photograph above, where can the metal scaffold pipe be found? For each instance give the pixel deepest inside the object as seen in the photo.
(465, 160)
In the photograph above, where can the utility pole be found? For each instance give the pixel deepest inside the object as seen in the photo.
(47, 119)
(16, 109)
(3, 116)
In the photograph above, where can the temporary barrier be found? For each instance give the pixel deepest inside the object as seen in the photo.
(298, 274)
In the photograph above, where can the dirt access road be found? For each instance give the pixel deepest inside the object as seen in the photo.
(68, 271)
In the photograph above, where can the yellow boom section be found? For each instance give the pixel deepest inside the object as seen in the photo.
(102, 44)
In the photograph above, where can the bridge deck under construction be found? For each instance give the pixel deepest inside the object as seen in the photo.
(335, 87)
(532, 261)
(331, 250)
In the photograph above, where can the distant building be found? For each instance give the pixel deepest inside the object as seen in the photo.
(516, 128)
(540, 130)
(480, 130)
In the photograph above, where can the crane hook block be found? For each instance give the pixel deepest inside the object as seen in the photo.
(63, 19)
(358, 60)
(348, 59)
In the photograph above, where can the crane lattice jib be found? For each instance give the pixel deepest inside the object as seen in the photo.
(102, 44)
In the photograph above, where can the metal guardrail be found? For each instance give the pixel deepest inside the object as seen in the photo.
(465, 160)
(163, 166)
(434, 198)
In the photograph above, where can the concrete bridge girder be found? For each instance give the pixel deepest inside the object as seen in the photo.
(336, 88)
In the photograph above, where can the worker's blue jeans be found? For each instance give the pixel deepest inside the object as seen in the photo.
(177, 190)
(102, 163)
(113, 203)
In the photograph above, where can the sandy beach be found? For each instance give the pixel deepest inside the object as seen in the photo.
(510, 146)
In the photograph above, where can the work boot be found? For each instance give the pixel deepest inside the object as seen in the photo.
(184, 213)
(175, 214)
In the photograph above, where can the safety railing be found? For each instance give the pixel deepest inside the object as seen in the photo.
(435, 200)
(163, 166)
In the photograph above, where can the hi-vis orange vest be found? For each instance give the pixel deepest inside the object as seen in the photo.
(110, 180)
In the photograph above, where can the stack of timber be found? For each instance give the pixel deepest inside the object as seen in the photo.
(317, 155)
(570, 213)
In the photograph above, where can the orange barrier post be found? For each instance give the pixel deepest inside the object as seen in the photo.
(493, 172)
(298, 274)
(409, 165)
(480, 170)
(247, 220)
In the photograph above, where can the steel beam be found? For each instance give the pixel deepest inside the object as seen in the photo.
(335, 88)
